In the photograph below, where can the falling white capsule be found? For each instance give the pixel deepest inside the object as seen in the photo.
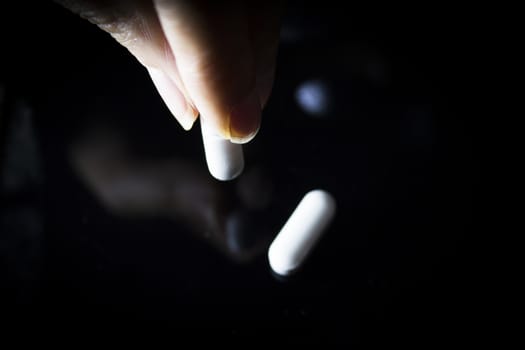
(301, 232)
(225, 159)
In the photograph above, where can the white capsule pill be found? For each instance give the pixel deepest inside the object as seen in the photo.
(225, 159)
(301, 232)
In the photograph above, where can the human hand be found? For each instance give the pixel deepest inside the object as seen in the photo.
(216, 59)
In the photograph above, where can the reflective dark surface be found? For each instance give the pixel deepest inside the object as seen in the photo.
(110, 217)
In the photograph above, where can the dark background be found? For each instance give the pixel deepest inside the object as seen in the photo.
(399, 265)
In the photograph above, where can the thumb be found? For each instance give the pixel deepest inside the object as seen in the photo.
(214, 56)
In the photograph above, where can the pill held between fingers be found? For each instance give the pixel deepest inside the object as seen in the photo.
(225, 159)
(301, 232)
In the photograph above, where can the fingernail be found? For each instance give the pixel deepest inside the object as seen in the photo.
(173, 98)
(245, 119)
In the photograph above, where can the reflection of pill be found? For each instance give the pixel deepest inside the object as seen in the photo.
(225, 159)
(301, 232)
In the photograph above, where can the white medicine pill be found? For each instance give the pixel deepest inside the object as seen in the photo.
(301, 232)
(225, 159)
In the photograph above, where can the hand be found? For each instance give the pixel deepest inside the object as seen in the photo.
(216, 59)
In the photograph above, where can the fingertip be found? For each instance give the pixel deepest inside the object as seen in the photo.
(188, 119)
(183, 112)
(245, 119)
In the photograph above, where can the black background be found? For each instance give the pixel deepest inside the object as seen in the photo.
(398, 266)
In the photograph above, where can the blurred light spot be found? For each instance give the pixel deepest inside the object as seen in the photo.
(314, 97)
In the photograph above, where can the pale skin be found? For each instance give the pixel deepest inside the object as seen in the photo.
(215, 59)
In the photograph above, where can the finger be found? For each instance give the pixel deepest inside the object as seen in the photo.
(212, 48)
(135, 25)
(173, 97)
